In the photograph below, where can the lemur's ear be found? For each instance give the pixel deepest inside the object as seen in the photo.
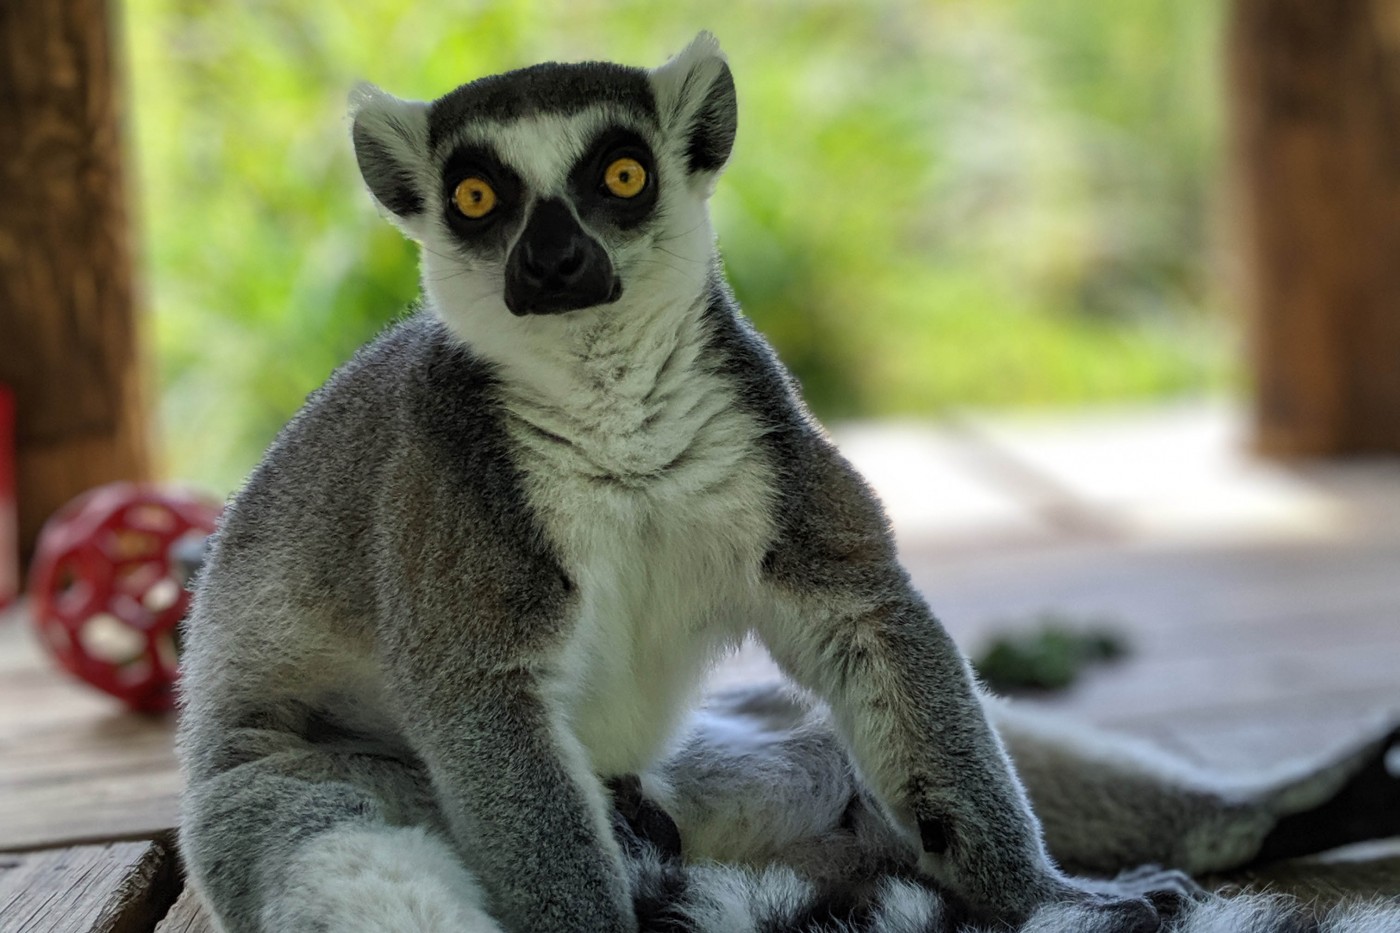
(391, 147)
(696, 102)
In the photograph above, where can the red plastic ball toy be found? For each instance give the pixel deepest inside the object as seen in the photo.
(102, 590)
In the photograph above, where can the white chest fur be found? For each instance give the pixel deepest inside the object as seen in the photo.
(649, 482)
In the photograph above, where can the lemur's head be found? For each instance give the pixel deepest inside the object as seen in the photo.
(555, 188)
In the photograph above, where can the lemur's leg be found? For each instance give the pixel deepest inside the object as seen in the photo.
(760, 777)
(1108, 802)
(847, 624)
(306, 838)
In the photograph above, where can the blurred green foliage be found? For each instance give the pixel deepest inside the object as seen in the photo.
(935, 203)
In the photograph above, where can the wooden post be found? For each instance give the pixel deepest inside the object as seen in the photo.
(1315, 101)
(67, 330)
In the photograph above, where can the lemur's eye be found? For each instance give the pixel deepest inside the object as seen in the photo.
(474, 197)
(625, 177)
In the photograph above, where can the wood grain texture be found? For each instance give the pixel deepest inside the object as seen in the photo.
(187, 916)
(75, 767)
(66, 291)
(122, 887)
(1315, 120)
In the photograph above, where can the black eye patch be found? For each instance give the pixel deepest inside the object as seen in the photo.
(489, 232)
(595, 203)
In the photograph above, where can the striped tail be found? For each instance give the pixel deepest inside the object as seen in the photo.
(717, 898)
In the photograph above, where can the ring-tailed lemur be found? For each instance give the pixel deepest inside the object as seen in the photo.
(468, 596)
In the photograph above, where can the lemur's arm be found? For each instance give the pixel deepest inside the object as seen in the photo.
(469, 639)
(526, 812)
(851, 628)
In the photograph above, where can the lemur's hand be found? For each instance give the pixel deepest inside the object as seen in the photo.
(1169, 891)
(999, 877)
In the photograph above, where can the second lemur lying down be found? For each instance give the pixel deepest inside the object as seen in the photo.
(454, 623)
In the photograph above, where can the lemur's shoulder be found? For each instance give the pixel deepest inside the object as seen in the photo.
(415, 380)
(413, 399)
(818, 490)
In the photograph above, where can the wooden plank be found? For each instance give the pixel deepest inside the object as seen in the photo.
(122, 887)
(75, 767)
(187, 916)
(1202, 688)
(1187, 585)
(1253, 741)
(92, 808)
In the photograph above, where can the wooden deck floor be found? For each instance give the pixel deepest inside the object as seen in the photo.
(1262, 603)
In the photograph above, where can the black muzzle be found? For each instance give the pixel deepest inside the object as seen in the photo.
(557, 267)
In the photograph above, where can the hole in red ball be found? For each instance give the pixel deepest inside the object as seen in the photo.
(136, 578)
(127, 544)
(161, 595)
(71, 593)
(135, 672)
(149, 516)
(104, 637)
(167, 655)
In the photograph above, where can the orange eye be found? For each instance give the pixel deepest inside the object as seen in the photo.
(625, 178)
(474, 198)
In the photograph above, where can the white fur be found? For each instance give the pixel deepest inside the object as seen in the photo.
(757, 779)
(739, 901)
(379, 880)
(644, 474)
(646, 481)
(662, 272)
(905, 907)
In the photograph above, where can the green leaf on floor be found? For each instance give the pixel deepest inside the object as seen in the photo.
(1049, 653)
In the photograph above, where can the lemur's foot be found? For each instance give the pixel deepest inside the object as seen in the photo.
(1169, 891)
(1366, 807)
(1109, 913)
(642, 819)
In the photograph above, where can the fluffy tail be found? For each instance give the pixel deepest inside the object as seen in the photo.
(715, 898)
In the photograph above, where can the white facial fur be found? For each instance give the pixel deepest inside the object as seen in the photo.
(658, 550)
(666, 265)
(670, 261)
(641, 469)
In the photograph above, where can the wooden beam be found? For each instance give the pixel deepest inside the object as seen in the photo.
(187, 916)
(120, 887)
(66, 298)
(1315, 99)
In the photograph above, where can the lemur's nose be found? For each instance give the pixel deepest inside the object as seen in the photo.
(556, 266)
(540, 262)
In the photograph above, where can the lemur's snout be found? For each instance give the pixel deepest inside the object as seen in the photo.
(556, 266)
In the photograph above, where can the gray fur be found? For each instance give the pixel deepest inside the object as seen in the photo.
(484, 569)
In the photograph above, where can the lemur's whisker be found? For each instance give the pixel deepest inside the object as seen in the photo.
(680, 257)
